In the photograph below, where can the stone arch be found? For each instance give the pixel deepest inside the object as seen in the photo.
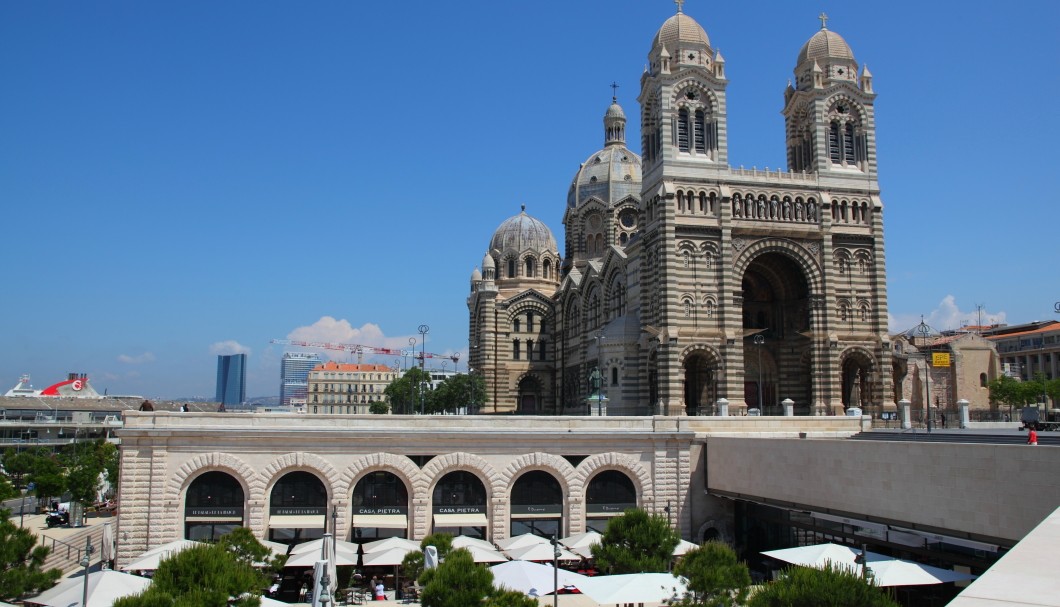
(615, 461)
(855, 106)
(223, 462)
(708, 99)
(309, 462)
(461, 460)
(546, 462)
(710, 351)
(400, 465)
(807, 261)
(723, 527)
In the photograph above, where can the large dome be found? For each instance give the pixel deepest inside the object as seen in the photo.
(825, 44)
(678, 31)
(610, 175)
(523, 232)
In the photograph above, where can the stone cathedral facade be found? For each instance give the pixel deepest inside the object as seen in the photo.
(690, 286)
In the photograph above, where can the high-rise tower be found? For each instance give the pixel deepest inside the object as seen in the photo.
(294, 374)
(231, 379)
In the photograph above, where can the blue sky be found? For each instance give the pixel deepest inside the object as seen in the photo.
(182, 179)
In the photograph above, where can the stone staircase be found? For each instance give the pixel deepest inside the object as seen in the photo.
(65, 554)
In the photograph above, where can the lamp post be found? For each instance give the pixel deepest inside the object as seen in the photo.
(759, 340)
(923, 330)
(412, 348)
(85, 561)
(555, 570)
(423, 330)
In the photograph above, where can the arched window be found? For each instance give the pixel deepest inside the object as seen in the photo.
(529, 321)
(848, 145)
(516, 325)
(511, 267)
(982, 380)
(682, 130)
(547, 267)
(701, 143)
(515, 349)
(614, 376)
(541, 350)
(530, 267)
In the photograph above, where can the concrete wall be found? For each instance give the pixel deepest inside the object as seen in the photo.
(991, 492)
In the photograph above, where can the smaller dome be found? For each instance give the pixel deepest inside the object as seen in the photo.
(487, 262)
(522, 232)
(825, 44)
(476, 275)
(678, 31)
(614, 111)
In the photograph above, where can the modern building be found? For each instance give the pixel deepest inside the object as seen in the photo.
(1028, 350)
(231, 379)
(347, 388)
(294, 377)
(691, 286)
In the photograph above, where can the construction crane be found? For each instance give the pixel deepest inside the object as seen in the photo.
(361, 350)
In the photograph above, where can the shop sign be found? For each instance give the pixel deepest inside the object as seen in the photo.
(298, 511)
(369, 510)
(940, 359)
(203, 511)
(460, 509)
(518, 509)
(609, 508)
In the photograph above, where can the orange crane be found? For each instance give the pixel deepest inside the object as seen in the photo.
(361, 350)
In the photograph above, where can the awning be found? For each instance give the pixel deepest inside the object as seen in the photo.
(213, 519)
(552, 515)
(460, 520)
(381, 521)
(296, 522)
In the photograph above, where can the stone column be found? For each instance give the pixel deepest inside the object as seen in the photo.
(903, 412)
(789, 407)
(723, 407)
(962, 412)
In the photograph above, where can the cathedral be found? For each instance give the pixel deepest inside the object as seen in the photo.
(687, 286)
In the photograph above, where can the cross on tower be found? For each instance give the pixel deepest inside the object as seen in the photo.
(824, 20)
(614, 92)
(679, 4)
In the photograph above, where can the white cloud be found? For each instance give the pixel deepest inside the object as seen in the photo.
(947, 315)
(340, 331)
(229, 347)
(139, 359)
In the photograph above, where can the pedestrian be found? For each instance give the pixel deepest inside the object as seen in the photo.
(380, 591)
(1032, 436)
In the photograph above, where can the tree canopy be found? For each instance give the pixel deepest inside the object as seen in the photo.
(716, 578)
(404, 392)
(636, 542)
(210, 575)
(830, 587)
(21, 562)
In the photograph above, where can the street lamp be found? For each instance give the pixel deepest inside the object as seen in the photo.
(759, 340)
(85, 561)
(555, 570)
(412, 348)
(923, 330)
(423, 330)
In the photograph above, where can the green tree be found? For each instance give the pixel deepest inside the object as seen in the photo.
(457, 392)
(412, 564)
(636, 542)
(21, 561)
(510, 598)
(241, 543)
(457, 582)
(716, 578)
(808, 587)
(18, 464)
(201, 576)
(1011, 392)
(379, 408)
(48, 475)
(404, 392)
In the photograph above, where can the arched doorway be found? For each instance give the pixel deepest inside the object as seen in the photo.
(529, 400)
(213, 506)
(298, 508)
(460, 505)
(380, 507)
(701, 387)
(776, 311)
(609, 494)
(537, 505)
(857, 380)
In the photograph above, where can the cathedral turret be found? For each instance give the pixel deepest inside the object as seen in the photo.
(829, 115)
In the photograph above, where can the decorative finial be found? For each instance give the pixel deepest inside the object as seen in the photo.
(824, 20)
(679, 4)
(522, 207)
(614, 92)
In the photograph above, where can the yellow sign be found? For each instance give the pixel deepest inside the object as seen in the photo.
(940, 359)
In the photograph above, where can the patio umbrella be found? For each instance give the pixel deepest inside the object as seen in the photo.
(388, 543)
(485, 555)
(683, 547)
(104, 587)
(533, 578)
(390, 556)
(582, 543)
(463, 541)
(150, 560)
(276, 548)
(314, 546)
(308, 559)
(520, 541)
(540, 552)
(887, 571)
(646, 588)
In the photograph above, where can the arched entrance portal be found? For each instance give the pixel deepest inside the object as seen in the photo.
(298, 508)
(460, 505)
(537, 505)
(380, 508)
(857, 381)
(529, 402)
(701, 387)
(776, 329)
(608, 495)
(213, 506)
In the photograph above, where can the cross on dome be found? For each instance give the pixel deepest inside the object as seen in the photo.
(824, 20)
(679, 4)
(614, 92)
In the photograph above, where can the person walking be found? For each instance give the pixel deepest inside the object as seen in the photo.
(1032, 436)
